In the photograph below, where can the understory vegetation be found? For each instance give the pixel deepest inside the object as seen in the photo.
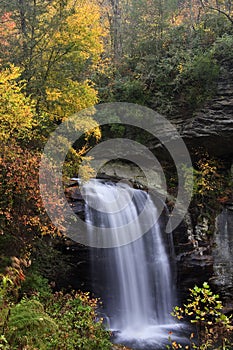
(213, 329)
(212, 189)
(32, 317)
(58, 57)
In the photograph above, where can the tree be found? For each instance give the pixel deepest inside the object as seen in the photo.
(58, 45)
(7, 31)
(115, 21)
(16, 112)
(224, 8)
(22, 211)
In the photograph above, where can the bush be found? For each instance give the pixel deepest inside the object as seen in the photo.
(223, 47)
(36, 285)
(48, 321)
(76, 317)
(204, 310)
(43, 320)
(212, 187)
(29, 325)
(4, 343)
(197, 79)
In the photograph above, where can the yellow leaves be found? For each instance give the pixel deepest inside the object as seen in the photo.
(53, 95)
(81, 30)
(175, 345)
(71, 98)
(207, 178)
(86, 171)
(16, 113)
(66, 47)
(180, 68)
(9, 74)
(210, 180)
(211, 324)
(177, 21)
(187, 14)
(77, 43)
(88, 125)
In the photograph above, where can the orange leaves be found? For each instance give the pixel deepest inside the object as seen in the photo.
(15, 272)
(7, 29)
(22, 209)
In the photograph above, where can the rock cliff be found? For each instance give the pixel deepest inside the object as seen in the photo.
(212, 126)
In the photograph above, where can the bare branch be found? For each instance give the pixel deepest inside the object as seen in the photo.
(217, 9)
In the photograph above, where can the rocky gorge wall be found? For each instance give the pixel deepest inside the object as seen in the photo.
(212, 126)
(222, 253)
(199, 256)
(211, 129)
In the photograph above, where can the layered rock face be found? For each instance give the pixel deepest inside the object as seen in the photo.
(209, 129)
(212, 126)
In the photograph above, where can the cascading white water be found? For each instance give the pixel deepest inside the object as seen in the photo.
(135, 280)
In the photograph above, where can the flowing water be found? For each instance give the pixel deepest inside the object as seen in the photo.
(135, 280)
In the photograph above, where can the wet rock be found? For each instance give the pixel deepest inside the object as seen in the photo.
(73, 193)
(222, 279)
(193, 257)
(125, 170)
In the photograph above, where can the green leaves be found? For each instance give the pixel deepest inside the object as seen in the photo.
(29, 324)
(62, 322)
(222, 48)
(204, 309)
(78, 325)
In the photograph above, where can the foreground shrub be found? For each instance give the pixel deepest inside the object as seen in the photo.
(42, 320)
(204, 310)
(79, 326)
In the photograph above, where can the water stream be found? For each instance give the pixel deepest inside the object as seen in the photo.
(135, 281)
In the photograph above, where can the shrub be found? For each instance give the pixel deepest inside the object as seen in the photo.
(76, 317)
(29, 324)
(223, 47)
(44, 320)
(36, 285)
(197, 79)
(204, 310)
(212, 186)
(4, 345)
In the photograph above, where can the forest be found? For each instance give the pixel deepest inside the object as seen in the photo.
(58, 58)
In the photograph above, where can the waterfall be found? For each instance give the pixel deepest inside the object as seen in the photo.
(135, 280)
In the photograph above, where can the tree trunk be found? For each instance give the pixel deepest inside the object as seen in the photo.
(116, 30)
